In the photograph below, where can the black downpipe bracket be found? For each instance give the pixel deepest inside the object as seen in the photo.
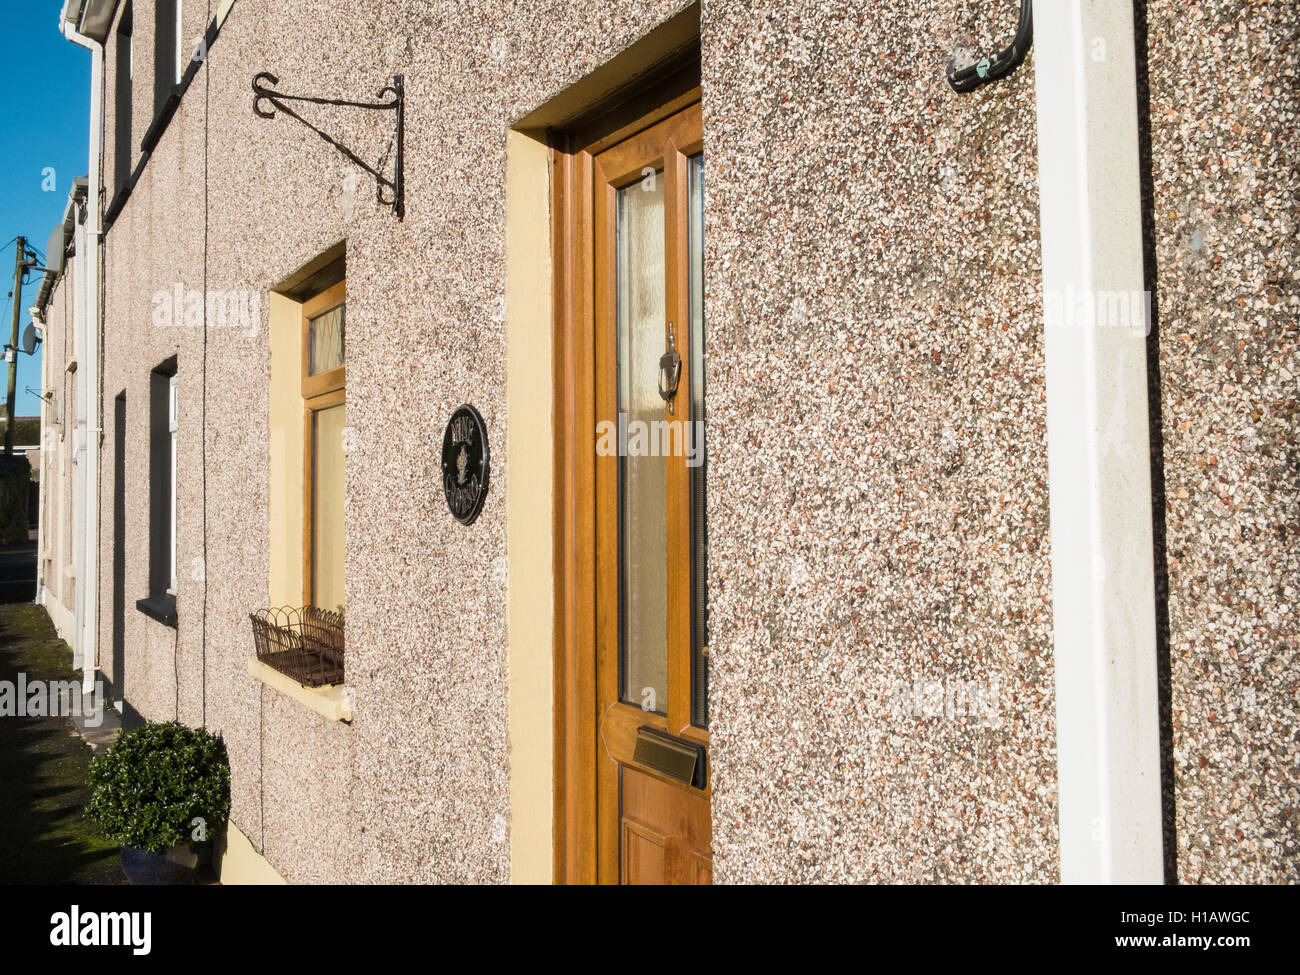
(1004, 62)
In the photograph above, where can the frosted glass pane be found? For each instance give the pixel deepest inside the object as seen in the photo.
(325, 341)
(699, 524)
(327, 507)
(642, 489)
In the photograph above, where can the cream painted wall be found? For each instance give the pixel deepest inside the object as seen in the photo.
(239, 864)
(285, 420)
(529, 447)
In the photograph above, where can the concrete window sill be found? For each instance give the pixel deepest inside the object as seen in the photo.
(332, 702)
(161, 608)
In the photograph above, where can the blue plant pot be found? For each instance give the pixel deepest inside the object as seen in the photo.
(175, 865)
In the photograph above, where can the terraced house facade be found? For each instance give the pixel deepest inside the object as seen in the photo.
(694, 442)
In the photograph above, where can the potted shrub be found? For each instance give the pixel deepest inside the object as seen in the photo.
(161, 791)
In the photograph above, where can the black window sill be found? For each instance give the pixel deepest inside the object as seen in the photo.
(161, 608)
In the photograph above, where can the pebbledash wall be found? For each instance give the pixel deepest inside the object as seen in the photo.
(1224, 256)
(878, 481)
(58, 441)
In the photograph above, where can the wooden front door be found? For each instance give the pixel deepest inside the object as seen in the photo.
(634, 802)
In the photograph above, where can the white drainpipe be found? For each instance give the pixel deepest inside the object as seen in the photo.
(87, 540)
(1103, 577)
(79, 442)
(43, 457)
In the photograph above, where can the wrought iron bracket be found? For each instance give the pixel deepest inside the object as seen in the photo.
(391, 192)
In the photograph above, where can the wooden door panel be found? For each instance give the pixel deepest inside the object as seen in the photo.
(643, 854)
(666, 832)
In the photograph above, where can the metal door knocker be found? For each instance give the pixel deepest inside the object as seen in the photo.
(670, 370)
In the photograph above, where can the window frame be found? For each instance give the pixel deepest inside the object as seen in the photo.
(180, 39)
(320, 392)
(326, 301)
(164, 440)
(173, 429)
(166, 52)
(124, 88)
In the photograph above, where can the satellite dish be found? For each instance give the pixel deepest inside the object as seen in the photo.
(30, 338)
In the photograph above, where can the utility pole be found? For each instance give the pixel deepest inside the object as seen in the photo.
(20, 265)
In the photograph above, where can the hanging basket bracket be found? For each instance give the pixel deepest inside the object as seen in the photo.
(389, 191)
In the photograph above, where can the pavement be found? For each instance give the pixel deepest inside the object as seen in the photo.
(44, 761)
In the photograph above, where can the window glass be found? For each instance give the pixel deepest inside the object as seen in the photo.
(166, 52)
(327, 551)
(325, 342)
(699, 527)
(173, 427)
(163, 433)
(180, 41)
(642, 488)
(123, 70)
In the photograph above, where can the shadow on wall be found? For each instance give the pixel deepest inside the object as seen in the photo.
(1164, 672)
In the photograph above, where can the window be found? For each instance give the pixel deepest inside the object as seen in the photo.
(166, 51)
(180, 59)
(300, 632)
(656, 319)
(323, 382)
(171, 491)
(699, 472)
(124, 62)
(163, 431)
(119, 546)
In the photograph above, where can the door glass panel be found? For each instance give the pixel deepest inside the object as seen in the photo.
(699, 462)
(327, 507)
(643, 584)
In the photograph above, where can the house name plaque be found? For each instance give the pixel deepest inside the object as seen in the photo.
(465, 464)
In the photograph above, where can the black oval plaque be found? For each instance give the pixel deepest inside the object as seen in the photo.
(465, 464)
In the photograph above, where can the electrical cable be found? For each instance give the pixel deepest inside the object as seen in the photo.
(1002, 63)
(176, 670)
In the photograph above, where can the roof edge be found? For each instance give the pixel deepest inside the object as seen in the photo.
(93, 18)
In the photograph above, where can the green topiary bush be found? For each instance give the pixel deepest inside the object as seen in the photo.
(150, 786)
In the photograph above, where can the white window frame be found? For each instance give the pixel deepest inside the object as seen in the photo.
(173, 427)
(180, 63)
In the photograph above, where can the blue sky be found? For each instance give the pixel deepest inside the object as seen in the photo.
(44, 124)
